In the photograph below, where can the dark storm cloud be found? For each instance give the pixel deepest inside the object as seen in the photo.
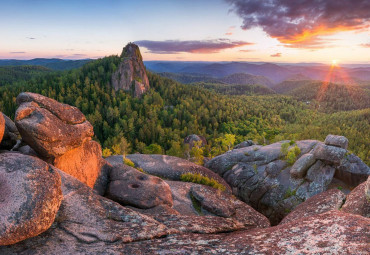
(276, 55)
(175, 46)
(302, 21)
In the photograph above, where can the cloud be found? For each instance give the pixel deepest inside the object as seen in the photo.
(175, 46)
(365, 45)
(17, 52)
(301, 23)
(31, 38)
(79, 55)
(230, 30)
(246, 50)
(276, 55)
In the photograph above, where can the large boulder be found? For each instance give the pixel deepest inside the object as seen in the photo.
(262, 177)
(131, 74)
(30, 196)
(191, 139)
(326, 201)
(2, 126)
(357, 202)
(337, 140)
(167, 167)
(84, 163)
(129, 186)
(11, 134)
(244, 144)
(49, 127)
(352, 170)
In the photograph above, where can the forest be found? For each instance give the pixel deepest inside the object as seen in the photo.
(160, 120)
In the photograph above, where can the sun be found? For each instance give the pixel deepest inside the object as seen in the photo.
(334, 62)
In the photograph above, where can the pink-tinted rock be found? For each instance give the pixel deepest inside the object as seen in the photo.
(129, 186)
(326, 201)
(356, 201)
(330, 154)
(11, 134)
(30, 196)
(84, 162)
(2, 126)
(49, 127)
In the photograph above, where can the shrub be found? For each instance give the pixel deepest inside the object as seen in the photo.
(128, 162)
(284, 149)
(291, 142)
(200, 179)
(292, 155)
(289, 193)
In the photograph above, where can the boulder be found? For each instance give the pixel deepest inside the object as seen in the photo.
(300, 167)
(357, 202)
(352, 170)
(11, 134)
(131, 74)
(326, 201)
(129, 186)
(30, 196)
(367, 189)
(337, 140)
(2, 126)
(84, 163)
(244, 144)
(167, 167)
(49, 127)
(330, 154)
(333, 232)
(191, 139)
(27, 150)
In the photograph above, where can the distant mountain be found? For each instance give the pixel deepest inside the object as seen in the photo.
(10, 74)
(233, 89)
(52, 63)
(186, 78)
(249, 79)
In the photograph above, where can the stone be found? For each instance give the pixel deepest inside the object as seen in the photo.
(167, 167)
(49, 127)
(300, 167)
(191, 139)
(84, 163)
(2, 126)
(131, 74)
(326, 201)
(27, 150)
(333, 232)
(11, 134)
(330, 154)
(357, 202)
(30, 196)
(244, 144)
(352, 170)
(367, 189)
(337, 140)
(129, 186)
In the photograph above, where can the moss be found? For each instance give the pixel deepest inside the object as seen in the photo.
(255, 168)
(340, 187)
(289, 193)
(256, 148)
(128, 162)
(247, 154)
(292, 142)
(196, 204)
(200, 179)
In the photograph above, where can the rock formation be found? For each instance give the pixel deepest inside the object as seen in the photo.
(131, 74)
(191, 139)
(11, 134)
(2, 126)
(86, 205)
(262, 177)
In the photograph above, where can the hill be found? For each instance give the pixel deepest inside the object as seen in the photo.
(10, 74)
(51, 63)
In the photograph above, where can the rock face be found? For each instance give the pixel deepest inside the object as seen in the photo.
(11, 134)
(30, 196)
(326, 201)
(336, 140)
(131, 74)
(167, 167)
(191, 139)
(49, 127)
(352, 170)
(357, 202)
(129, 186)
(244, 144)
(261, 177)
(2, 126)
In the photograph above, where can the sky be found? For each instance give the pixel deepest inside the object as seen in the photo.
(188, 30)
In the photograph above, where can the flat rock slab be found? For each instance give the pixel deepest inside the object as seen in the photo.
(30, 196)
(326, 201)
(49, 127)
(357, 203)
(167, 167)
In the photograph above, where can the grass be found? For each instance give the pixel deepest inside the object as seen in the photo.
(255, 168)
(196, 204)
(200, 179)
(289, 193)
(128, 162)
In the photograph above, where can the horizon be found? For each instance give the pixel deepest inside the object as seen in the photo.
(231, 30)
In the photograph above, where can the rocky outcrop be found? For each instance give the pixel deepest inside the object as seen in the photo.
(191, 139)
(244, 144)
(352, 170)
(167, 167)
(131, 74)
(326, 201)
(30, 196)
(336, 140)
(2, 126)
(11, 134)
(49, 127)
(262, 177)
(129, 186)
(357, 202)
